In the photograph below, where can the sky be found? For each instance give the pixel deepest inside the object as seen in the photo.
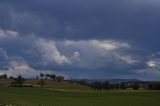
(81, 39)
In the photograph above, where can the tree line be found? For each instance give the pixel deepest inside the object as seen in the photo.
(19, 80)
(98, 85)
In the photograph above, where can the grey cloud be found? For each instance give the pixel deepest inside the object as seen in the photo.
(127, 20)
(154, 61)
(68, 55)
(88, 54)
(3, 59)
(8, 34)
(111, 37)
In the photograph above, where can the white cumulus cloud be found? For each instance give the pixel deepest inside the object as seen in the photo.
(50, 53)
(21, 68)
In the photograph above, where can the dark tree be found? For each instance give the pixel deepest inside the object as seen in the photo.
(41, 75)
(59, 78)
(18, 82)
(97, 85)
(37, 77)
(117, 86)
(123, 85)
(41, 82)
(47, 76)
(106, 85)
(11, 77)
(4, 76)
(135, 86)
(53, 77)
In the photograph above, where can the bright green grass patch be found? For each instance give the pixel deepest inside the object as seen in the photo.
(36, 96)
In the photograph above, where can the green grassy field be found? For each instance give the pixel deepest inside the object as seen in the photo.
(44, 97)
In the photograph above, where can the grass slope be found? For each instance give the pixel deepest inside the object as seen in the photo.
(59, 85)
(37, 96)
(49, 84)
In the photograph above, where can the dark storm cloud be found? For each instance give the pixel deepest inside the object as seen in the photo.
(85, 19)
(27, 26)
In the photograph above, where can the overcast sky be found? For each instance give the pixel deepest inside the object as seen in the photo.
(94, 39)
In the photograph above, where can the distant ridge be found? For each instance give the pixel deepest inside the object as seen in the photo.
(110, 80)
